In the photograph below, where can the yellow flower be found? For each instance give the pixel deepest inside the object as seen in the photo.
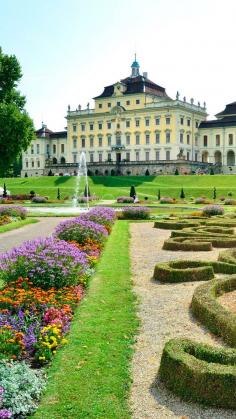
(64, 341)
(41, 358)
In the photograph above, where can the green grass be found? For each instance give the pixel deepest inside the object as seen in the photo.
(109, 187)
(90, 377)
(17, 224)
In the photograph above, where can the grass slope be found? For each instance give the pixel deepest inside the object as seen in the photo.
(109, 187)
(90, 377)
(17, 224)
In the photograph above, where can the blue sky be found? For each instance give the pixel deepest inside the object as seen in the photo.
(70, 49)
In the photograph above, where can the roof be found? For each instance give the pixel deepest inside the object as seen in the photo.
(139, 84)
(59, 134)
(227, 121)
(230, 109)
(47, 133)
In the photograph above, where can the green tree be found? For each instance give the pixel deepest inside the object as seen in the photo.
(159, 195)
(16, 127)
(182, 194)
(176, 172)
(147, 173)
(214, 193)
(58, 194)
(132, 191)
(87, 191)
(4, 194)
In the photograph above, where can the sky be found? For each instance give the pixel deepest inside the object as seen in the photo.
(70, 49)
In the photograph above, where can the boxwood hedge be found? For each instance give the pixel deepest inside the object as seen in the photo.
(200, 373)
(187, 244)
(174, 224)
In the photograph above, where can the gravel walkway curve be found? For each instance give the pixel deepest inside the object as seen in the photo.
(43, 228)
(164, 314)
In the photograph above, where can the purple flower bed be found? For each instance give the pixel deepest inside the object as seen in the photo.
(81, 231)
(39, 199)
(84, 199)
(14, 211)
(46, 262)
(136, 213)
(125, 200)
(100, 215)
(166, 200)
(210, 210)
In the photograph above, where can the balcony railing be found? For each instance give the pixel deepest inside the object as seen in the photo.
(117, 147)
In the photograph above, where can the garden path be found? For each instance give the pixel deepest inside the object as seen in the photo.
(43, 228)
(164, 314)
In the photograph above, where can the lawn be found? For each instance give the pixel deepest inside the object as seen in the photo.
(17, 224)
(90, 377)
(109, 187)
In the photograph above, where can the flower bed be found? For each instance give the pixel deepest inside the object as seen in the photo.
(135, 213)
(125, 200)
(14, 211)
(81, 231)
(101, 215)
(211, 210)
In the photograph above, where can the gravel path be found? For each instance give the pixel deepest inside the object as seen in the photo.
(43, 228)
(164, 313)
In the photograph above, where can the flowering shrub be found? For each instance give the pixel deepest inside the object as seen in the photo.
(125, 200)
(167, 200)
(210, 210)
(39, 200)
(230, 201)
(5, 219)
(81, 231)
(50, 338)
(101, 215)
(84, 199)
(20, 389)
(91, 249)
(46, 262)
(136, 213)
(19, 212)
(201, 200)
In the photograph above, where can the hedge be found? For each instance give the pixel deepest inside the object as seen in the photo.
(216, 240)
(187, 244)
(228, 256)
(174, 225)
(212, 314)
(200, 373)
(190, 270)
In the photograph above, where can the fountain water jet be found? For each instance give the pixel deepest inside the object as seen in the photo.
(82, 173)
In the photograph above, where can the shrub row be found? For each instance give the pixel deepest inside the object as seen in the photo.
(200, 373)
(187, 244)
(174, 224)
(212, 314)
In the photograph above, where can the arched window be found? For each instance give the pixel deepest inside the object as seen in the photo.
(63, 160)
(54, 160)
(205, 157)
(230, 158)
(218, 157)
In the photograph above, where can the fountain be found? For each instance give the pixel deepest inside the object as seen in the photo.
(82, 174)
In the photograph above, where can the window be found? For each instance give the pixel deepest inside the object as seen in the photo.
(157, 155)
(147, 137)
(109, 141)
(157, 138)
(127, 102)
(196, 125)
(82, 127)
(147, 122)
(167, 154)
(188, 138)
(38, 163)
(108, 125)
(75, 158)
(91, 141)
(32, 163)
(188, 155)
(100, 105)
(109, 105)
(182, 121)
(83, 142)
(127, 156)
(100, 125)
(195, 156)
(137, 139)
(48, 148)
(32, 149)
(27, 164)
(147, 155)
(54, 147)
(137, 155)
(62, 148)
(196, 141)
(37, 148)
(205, 140)
(217, 140)
(118, 126)
(127, 124)
(127, 139)
(118, 140)
(168, 120)
(109, 156)
(181, 137)
(167, 137)
(91, 158)
(100, 157)
(231, 139)
(91, 127)
(188, 122)
(74, 127)
(157, 120)
(137, 122)
(118, 103)
(137, 101)
(100, 141)
(74, 143)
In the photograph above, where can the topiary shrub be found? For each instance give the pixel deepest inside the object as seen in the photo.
(174, 224)
(200, 373)
(212, 314)
(187, 244)
(183, 271)
(211, 210)
(228, 256)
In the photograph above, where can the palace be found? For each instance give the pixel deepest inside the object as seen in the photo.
(135, 128)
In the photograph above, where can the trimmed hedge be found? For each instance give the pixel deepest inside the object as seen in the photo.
(200, 373)
(217, 240)
(174, 225)
(212, 314)
(187, 244)
(190, 270)
(228, 256)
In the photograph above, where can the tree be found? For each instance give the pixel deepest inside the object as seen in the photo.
(4, 194)
(212, 171)
(50, 173)
(159, 195)
(176, 171)
(214, 193)
(87, 191)
(182, 194)
(147, 173)
(58, 194)
(16, 127)
(26, 174)
(132, 191)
